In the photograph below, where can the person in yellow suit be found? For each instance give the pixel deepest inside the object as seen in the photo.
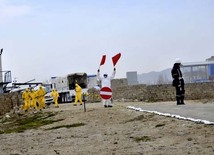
(26, 98)
(55, 96)
(78, 96)
(41, 97)
(33, 96)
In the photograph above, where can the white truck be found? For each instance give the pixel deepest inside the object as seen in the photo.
(66, 85)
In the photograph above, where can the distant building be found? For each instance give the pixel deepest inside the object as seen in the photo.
(92, 81)
(198, 71)
(59, 83)
(132, 78)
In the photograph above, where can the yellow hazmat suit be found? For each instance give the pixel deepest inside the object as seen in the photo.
(26, 98)
(33, 96)
(78, 96)
(55, 96)
(41, 97)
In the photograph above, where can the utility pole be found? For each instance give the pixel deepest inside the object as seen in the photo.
(1, 78)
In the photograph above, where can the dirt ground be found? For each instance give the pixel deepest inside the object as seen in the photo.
(109, 131)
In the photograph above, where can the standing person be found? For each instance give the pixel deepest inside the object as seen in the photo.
(55, 96)
(41, 97)
(106, 82)
(78, 96)
(26, 98)
(178, 82)
(33, 96)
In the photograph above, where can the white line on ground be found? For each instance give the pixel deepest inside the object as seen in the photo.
(172, 115)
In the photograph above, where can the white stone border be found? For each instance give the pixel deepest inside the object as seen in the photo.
(172, 115)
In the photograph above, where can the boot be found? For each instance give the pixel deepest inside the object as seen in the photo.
(178, 100)
(182, 100)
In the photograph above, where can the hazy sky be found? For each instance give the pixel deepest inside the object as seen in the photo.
(45, 38)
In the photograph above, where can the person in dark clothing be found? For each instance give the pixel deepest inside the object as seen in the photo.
(178, 82)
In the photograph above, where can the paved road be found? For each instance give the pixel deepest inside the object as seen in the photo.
(196, 111)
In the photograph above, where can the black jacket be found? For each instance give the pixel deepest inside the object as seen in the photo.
(177, 75)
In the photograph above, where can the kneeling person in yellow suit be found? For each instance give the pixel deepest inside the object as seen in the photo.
(55, 96)
(78, 96)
